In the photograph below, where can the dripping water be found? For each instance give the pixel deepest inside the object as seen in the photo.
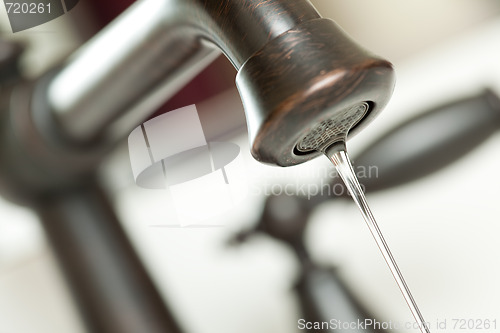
(337, 154)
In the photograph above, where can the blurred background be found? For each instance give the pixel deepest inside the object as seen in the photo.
(442, 228)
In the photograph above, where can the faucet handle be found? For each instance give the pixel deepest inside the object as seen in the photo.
(311, 79)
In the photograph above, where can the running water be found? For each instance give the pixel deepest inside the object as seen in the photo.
(337, 154)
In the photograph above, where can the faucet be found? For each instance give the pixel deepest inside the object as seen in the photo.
(298, 73)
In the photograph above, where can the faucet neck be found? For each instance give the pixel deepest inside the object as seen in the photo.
(152, 50)
(240, 28)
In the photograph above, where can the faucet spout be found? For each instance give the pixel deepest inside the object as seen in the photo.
(296, 70)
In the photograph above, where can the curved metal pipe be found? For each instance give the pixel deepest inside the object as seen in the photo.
(153, 49)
